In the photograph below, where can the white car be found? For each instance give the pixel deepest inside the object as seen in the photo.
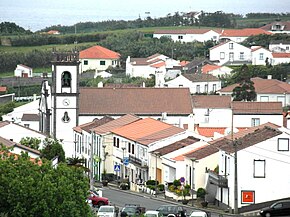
(152, 213)
(198, 213)
(107, 211)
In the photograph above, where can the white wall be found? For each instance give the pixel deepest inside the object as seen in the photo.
(245, 120)
(95, 64)
(259, 57)
(217, 117)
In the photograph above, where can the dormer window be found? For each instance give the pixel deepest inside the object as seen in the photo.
(66, 79)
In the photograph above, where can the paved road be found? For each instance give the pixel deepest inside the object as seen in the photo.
(120, 198)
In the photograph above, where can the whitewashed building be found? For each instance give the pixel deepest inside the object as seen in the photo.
(23, 71)
(261, 56)
(279, 46)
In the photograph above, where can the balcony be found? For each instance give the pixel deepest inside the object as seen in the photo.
(134, 160)
(219, 180)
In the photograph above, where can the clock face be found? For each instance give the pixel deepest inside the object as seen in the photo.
(66, 102)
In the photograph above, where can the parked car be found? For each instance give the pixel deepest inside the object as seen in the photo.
(280, 208)
(199, 213)
(97, 200)
(107, 211)
(153, 213)
(132, 210)
(172, 211)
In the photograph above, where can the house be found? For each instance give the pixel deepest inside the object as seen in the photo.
(188, 35)
(279, 46)
(215, 70)
(197, 83)
(267, 90)
(212, 110)
(53, 32)
(261, 150)
(134, 141)
(279, 58)
(230, 53)
(18, 149)
(98, 58)
(239, 35)
(31, 121)
(196, 64)
(261, 56)
(23, 71)
(8, 129)
(277, 27)
(145, 67)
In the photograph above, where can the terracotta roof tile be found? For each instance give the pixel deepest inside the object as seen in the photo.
(207, 68)
(114, 124)
(211, 101)
(98, 52)
(281, 55)
(147, 131)
(243, 32)
(158, 65)
(264, 86)
(194, 77)
(139, 101)
(181, 31)
(209, 131)
(30, 117)
(257, 107)
(183, 63)
(245, 138)
(177, 145)
(95, 123)
(9, 143)
(181, 157)
(3, 89)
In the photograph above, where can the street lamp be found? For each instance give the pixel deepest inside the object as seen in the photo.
(123, 166)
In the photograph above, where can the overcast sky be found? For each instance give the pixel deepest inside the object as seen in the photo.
(41, 13)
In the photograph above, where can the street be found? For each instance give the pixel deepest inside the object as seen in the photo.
(120, 197)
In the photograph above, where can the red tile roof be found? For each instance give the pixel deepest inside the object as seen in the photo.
(138, 101)
(3, 89)
(207, 68)
(211, 101)
(245, 138)
(285, 24)
(243, 32)
(98, 52)
(209, 131)
(177, 145)
(268, 86)
(181, 157)
(257, 107)
(281, 55)
(117, 123)
(158, 65)
(147, 131)
(183, 63)
(95, 123)
(194, 77)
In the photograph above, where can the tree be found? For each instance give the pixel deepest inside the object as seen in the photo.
(246, 90)
(28, 188)
(51, 149)
(30, 142)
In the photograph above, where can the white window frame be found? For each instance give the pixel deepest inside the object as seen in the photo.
(255, 122)
(259, 169)
(283, 144)
(222, 55)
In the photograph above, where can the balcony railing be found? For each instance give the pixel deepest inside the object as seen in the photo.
(135, 160)
(219, 180)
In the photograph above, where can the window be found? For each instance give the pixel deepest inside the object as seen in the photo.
(65, 117)
(66, 79)
(231, 46)
(242, 55)
(198, 88)
(214, 87)
(259, 168)
(118, 143)
(231, 56)
(283, 144)
(255, 122)
(264, 99)
(102, 62)
(261, 56)
(26, 125)
(86, 62)
(222, 55)
(114, 142)
(180, 37)
(214, 37)
(133, 149)
(287, 47)
(129, 147)
(205, 88)
(181, 85)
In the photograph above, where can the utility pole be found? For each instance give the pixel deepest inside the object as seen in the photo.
(92, 168)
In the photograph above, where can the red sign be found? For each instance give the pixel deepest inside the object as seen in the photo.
(248, 197)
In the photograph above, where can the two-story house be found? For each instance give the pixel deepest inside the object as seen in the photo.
(230, 53)
(279, 46)
(197, 83)
(268, 90)
(98, 58)
(277, 27)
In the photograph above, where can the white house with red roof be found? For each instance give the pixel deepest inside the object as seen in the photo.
(215, 70)
(239, 35)
(277, 27)
(230, 53)
(188, 35)
(279, 58)
(261, 56)
(268, 90)
(145, 67)
(279, 46)
(98, 58)
(23, 71)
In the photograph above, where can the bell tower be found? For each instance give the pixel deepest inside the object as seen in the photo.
(65, 95)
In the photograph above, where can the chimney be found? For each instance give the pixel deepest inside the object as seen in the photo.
(269, 77)
(163, 116)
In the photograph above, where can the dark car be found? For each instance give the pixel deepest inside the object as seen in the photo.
(280, 208)
(132, 210)
(172, 211)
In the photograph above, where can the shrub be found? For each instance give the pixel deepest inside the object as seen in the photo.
(201, 192)
(151, 182)
(161, 187)
(176, 183)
